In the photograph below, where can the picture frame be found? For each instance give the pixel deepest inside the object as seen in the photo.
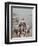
(18, 17)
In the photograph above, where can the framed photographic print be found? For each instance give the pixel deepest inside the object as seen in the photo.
(20, 22)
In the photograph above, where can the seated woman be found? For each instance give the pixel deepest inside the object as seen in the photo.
(22, 29)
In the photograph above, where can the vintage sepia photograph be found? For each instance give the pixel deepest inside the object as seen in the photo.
(21, 22)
